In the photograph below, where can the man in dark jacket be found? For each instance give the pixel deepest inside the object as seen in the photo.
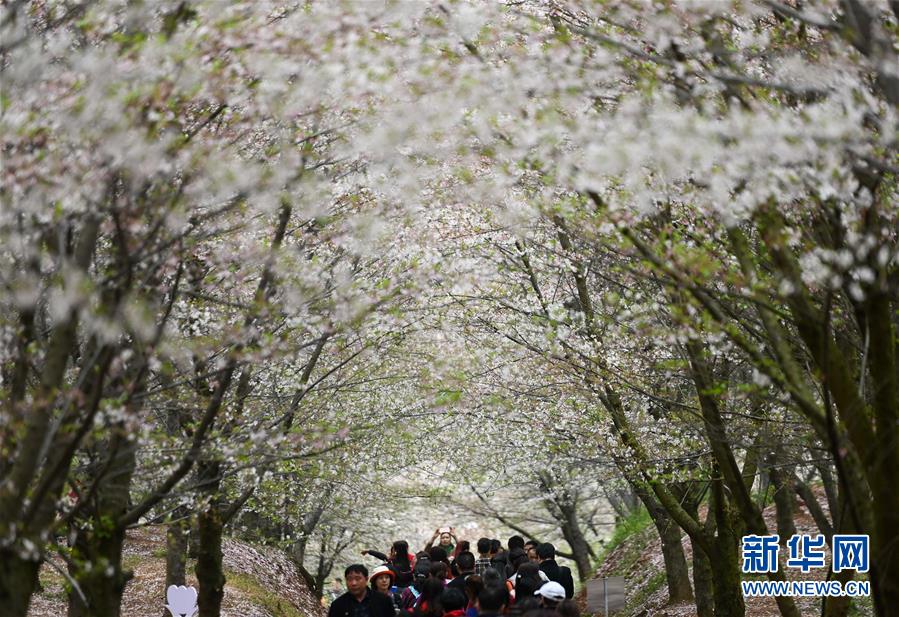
(546, 552)
(465, 563)
(499, 558)
(360, 600)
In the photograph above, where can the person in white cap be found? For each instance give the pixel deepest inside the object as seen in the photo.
(551, 594)
(381, 580)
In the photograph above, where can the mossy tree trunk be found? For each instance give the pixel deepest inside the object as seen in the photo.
(96, 563)
(176, 537)
(703, 582)
(18, 580)
(784, 501)
(703, 577)
(724, 557)
(677, 575)
(209, 570)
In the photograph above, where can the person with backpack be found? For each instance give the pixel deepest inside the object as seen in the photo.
(409, 596)
(528, 575)
(400, 561)
(438, 555)
(440, 571)
(560, 574)
(527, 582)
(517, 556)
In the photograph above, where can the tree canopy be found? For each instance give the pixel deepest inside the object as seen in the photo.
(280, 268)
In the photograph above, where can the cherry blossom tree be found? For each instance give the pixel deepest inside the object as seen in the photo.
(242, 241)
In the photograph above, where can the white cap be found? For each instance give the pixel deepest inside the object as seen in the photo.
(382, 569)
(551, 591)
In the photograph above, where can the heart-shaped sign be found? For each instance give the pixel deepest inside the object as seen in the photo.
(182, 601)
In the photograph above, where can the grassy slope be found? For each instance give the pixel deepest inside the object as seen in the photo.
(634, 552)
(261, 582)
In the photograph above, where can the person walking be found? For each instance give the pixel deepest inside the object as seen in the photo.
(499, 558)
(465, 564)
(360, 600)
(428, 604)
(382, 579)
(550, 594)
(400, 561)
(492, 602)
(474, 584)
(546, 552)
(409, 596)
(528, 578)
(483, 561)
(453, 602)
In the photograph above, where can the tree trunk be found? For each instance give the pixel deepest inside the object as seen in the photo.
(703, 578)
(176, 537)
(703, 582)
(99, 540)
(104, 583)
(210, 574)
(830, 490)
(624, 502)
(814, 508)
(727, 590)
(731, 476)
(176, 549)
(677, 575)
(725, 560)
(884, 573)
(193, 538)
(18, 580)
(839, 607)
(574, 535)
(676, 571)
(784, 503)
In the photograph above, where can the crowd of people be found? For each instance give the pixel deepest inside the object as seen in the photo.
(448, 579)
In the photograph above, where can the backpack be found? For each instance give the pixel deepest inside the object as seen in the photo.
(403, 577)
(409, 598)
